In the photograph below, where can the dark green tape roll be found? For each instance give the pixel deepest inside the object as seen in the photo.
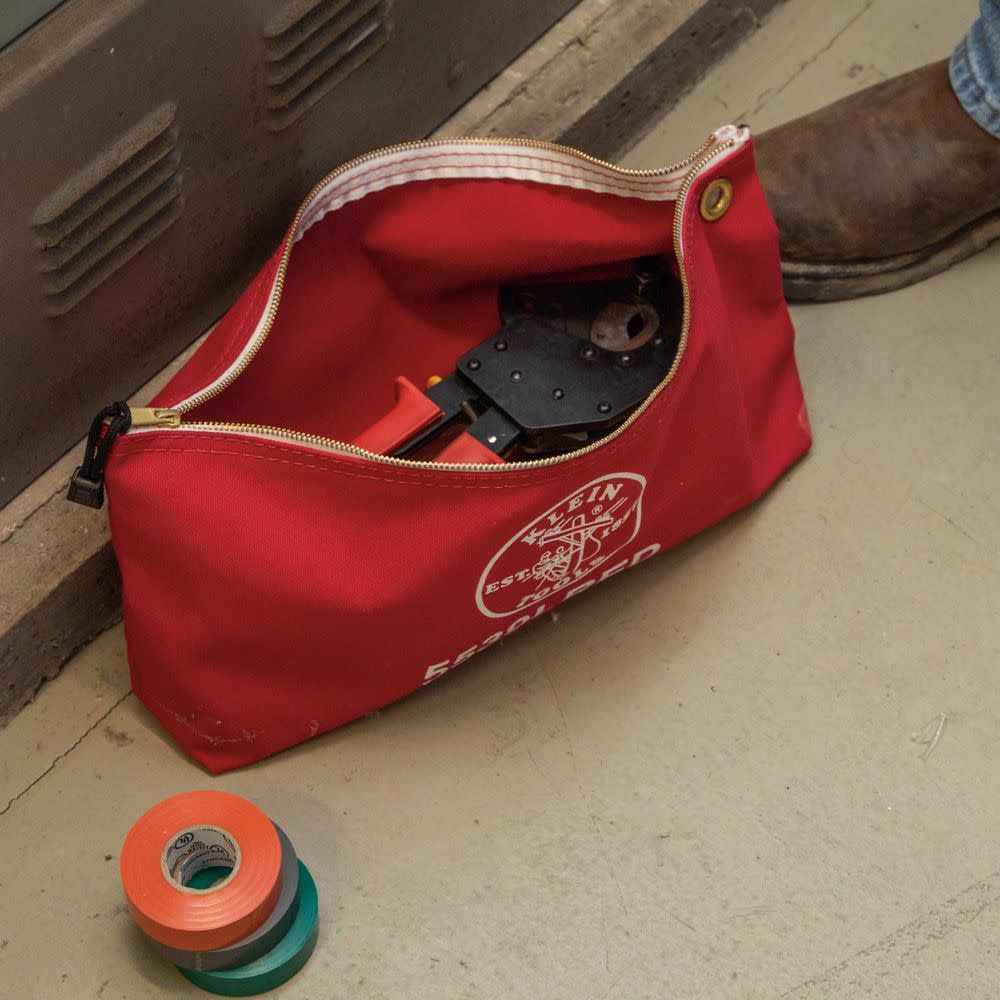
(207, 877)
(280, 963)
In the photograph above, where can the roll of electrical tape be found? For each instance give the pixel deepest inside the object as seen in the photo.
(184, 835)
(278, 965)
(261, 940)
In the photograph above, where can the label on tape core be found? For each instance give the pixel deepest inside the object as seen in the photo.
(196, 848)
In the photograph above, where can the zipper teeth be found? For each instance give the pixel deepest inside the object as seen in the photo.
(696, 159)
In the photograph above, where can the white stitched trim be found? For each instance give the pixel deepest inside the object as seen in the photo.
(458, 160)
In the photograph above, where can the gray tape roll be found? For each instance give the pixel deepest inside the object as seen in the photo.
(263, 939)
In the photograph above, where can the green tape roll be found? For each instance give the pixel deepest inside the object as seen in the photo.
(280, 963)
(207, 877)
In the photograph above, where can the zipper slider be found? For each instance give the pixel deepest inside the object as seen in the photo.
(144, 416)
(86, 486)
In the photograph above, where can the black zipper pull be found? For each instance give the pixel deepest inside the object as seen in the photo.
(87, 484)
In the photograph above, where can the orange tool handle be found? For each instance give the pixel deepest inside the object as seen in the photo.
(412, 413)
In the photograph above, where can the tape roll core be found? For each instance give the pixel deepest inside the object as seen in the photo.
(196, 848)
(185, 834)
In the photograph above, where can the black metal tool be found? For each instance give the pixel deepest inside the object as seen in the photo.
(569, 363)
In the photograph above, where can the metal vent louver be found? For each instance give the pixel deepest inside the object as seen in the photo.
(310, 46)
(106, 213)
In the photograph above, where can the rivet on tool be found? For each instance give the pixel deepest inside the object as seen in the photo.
(501, 345)
(588, 353)
(557, 394)
(657, 342)
(603, 407)
(516, 375)
(474, 365)
(492, 439)
(625, 359)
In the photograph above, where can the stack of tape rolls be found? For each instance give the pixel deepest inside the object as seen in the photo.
(218, 890)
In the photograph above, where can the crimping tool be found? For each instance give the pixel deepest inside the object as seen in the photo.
(569, 363)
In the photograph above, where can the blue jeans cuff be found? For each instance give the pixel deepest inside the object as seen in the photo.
(971, 94)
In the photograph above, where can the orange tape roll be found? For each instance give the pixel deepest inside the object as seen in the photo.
(181, 836)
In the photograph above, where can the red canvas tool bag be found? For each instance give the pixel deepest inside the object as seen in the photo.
(279, 582)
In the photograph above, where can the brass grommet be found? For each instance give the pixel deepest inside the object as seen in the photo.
(716, 199)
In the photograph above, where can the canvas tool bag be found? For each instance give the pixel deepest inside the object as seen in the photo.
(280, 581)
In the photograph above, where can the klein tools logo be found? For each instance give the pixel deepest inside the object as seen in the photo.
(567, 543)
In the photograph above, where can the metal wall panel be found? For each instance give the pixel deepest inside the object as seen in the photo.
(151, 155)
(19, 15)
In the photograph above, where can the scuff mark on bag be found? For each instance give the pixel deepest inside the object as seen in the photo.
(187, 721)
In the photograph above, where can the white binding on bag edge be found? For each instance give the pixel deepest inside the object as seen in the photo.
(458, 160)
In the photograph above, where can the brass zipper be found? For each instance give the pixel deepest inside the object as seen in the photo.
(172, 417)
(160, 416)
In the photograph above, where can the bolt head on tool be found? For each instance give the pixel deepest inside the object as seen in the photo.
(516, 375)
(474, 365)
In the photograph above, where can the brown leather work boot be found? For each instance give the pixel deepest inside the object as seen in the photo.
(881, 189)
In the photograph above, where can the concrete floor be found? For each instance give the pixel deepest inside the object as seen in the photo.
(702, 780)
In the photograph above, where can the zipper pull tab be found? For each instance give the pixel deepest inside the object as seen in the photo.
(144, 416)
(87, 484)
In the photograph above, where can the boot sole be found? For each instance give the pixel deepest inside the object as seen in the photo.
(808, 282)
